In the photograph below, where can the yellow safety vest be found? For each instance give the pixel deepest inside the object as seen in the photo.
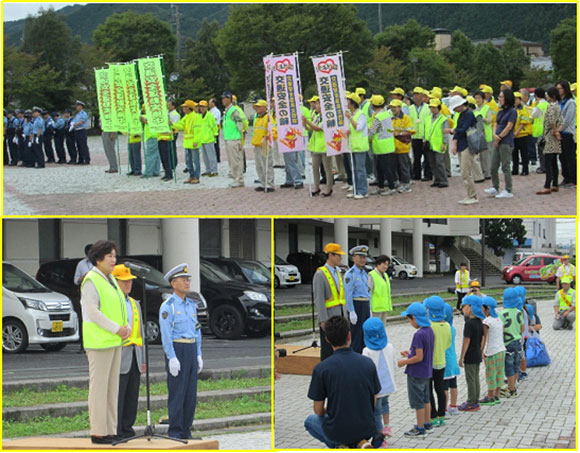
(434, 133)
(486, 127)
(569, 273)
(188, 124)
(260, 129)
(359, 142)
(135, 138)
(538, 124)
(337, 297)
(381, 296)
(112, 305)
(381, 143)
(135, 337)
(565, 300)
(463, 280)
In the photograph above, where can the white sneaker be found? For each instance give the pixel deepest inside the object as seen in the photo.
(389, 192)
(468, 201)
(350, 195)
(360, 197)
(405, 189)
(504, 194)
(345, 186)
(235, 185)
(491, 191)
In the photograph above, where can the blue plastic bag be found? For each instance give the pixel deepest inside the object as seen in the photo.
(536, 353)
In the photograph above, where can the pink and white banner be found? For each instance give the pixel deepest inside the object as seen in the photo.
(288, 106)
(268, 70)
(328, 71)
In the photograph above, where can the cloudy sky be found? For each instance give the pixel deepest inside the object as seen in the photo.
(565, 231)
(15, 11)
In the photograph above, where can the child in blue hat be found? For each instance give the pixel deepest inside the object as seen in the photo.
(451, 367)
(382, 353)
(435, 306)
(419, 368)
(494, 351)
(522, 375)
(513, 327)
(470, 357)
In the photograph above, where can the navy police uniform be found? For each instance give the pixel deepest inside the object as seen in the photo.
(181, 337)
(358, 298)
(80, 123)
(47, 137)
(37, 133)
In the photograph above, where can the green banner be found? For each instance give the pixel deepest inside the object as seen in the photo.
(104, 99)
(153, 90)
(132, 99)
(119, 104)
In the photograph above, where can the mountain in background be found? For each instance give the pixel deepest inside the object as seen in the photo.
(531, 22)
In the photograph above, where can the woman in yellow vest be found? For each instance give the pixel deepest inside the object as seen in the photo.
(522, 133)
(380, 288)
(317, 148)
(435, 127)
(359, 145)
(383, 145)
(105, 327)
(403, 129)
(132, 357)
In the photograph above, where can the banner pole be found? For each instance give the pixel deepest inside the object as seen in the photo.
(349, 136)
(299, 81)
(268, 90)
(172, 144)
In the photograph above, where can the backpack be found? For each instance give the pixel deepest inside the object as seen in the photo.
(476, 136)
(536, 352)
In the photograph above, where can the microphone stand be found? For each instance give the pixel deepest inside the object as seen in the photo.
(314, 342)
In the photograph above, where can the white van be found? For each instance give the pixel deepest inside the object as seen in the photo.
(34, 314)
(404, 269)
(285, 274)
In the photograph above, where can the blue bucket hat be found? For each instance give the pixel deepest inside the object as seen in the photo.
(418, 310)
(521, 291)
(375, 334)
(530, 309)
(492, 304)
(436, 308)
(475, 303)
(449, 314)
(511, 299)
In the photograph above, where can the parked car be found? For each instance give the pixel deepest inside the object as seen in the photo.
(285, 274)
(235, 307)
(58, 275)
(528, 269)
(403, 269)
(34, 314)
(248, 271)
(307, 263)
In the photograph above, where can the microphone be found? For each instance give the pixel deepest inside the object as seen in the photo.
(137, 267)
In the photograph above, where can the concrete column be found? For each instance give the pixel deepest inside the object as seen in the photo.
(48, 240)
(341, 236)
(386, 237)
(181, 245)
(225, 243)
(418, 245)
(263, 245)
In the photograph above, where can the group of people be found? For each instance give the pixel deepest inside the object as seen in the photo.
(352, 320)
(27, 133)
(113, 339)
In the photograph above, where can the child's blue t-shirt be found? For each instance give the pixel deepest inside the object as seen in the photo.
(423, 339)
(451, 367)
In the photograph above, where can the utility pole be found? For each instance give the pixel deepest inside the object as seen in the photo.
(175, 8)
(380, 19)
(482, 253)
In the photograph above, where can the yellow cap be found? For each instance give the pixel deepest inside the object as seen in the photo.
(486, 89)
(566, 280)
(334, 248)
(314, 98)
(506, 82)
(434, 103)
(377, 99)
(261, 103)
(398, 91)
(360, 91)
(203, 103)
(471, 100)
(517, 94)
(418, 90)
(396, 103)
(573, 86)
(436, 92)
(566, 257)
(122, 272)
(475, 284)
(189, 103)
(354, 97)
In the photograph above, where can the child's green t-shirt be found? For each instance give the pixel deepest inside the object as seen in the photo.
(512, 320)
(442, 332)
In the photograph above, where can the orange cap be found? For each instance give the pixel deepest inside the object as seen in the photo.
(333, 248)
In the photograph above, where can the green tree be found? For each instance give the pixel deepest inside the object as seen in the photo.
(428, 68)
(461, 52)
(254, 31)
(563, 49)
(384, 72)
(403, 38)
(536, 77)
(515, 59)
(131, 35)
(488, 66)
(500, 234)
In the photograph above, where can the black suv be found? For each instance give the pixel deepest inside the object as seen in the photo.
(248, 271)
(235, 307)
(59, 275)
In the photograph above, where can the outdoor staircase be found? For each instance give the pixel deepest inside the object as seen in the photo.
(465, 249)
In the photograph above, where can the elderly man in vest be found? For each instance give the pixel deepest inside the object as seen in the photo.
(565, 270)
(328, 293)
(262, 151)
(233, 127)
(132, 357)
(380, 288)
(357, 296)
(181, 338)
(565, 306)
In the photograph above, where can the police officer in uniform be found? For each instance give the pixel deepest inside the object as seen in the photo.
(47, 137)
(357, 296)
(79, 124)
(36, 134)
(10, 135)
(328, 293)
(181, 337)
(69, 136)
(18, 139)
(27, 153)
(58, 125)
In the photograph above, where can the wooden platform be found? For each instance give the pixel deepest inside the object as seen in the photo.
(302, 362)
(61, 443)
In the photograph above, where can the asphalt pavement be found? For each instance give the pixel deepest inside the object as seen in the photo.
(217, 354)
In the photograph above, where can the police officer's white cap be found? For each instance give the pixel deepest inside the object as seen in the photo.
(36, 109)
(178, 271)
(80, 103)
(359, 250)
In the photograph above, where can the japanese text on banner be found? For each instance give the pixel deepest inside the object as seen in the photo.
(104, 99)
(332, 103)
(268, 70)
(151, 76)
(288, 105)
(132, 99)
(119, 106)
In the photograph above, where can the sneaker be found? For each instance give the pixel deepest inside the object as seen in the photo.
(513, 393)
(405, 188)
(491, 191)
(213, 175)
(522, 376)
(453, 410)
(504, 393)
(447, 414)
(389, 192)
(364, 444)
(504, 194)
(463, 407)
(358, 196)
(487, 401)
(415, 432)
(435, 422)
(442, 421)
(473, 407)
(496, 400)
(428, 427)
(468, 201)
(235, 185)
(350, 195)
(377, 191)
(345, 186)
(387, 431)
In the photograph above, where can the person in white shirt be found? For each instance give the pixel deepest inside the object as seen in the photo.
(83, 267)
(217, 114)
(565, 270)
(462, 281)
(494, 351)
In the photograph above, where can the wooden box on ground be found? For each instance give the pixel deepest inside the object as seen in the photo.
(302, 362)
(79, 444)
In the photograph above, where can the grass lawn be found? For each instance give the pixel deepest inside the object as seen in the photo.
(64, 394)
(214, 409)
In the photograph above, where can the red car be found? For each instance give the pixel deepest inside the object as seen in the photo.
(528, 269)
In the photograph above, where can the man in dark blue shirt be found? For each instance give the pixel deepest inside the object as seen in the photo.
(348, 382)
